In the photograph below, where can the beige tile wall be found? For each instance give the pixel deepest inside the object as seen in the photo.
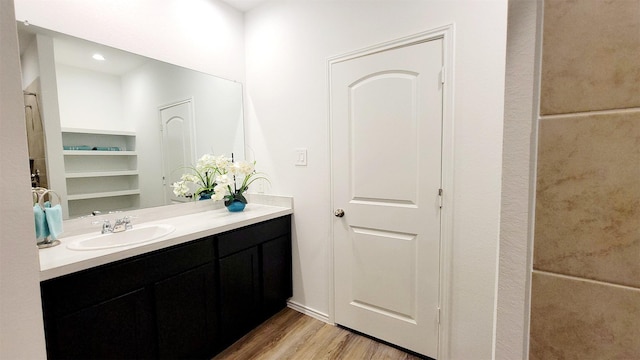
(588, 197)
(590, 55)
(577, 319)
(586, 281)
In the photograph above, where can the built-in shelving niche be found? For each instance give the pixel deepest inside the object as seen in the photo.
(104, 178)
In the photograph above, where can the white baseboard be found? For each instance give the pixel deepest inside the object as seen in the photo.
(308, 311)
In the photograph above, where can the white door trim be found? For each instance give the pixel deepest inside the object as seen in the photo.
(446, 33)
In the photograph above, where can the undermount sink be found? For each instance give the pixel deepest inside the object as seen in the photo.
(139, 234)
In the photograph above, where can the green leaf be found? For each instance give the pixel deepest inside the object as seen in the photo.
(241, 198)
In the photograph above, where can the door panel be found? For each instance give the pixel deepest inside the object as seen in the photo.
(386, 111)
(398, 298)
(383, 104)
(177, 145)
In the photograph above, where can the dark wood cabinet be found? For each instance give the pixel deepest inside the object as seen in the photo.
(186, 314)
(255, 275)
(118, 328)
(239, 294)
(276, 275)
(187, 301)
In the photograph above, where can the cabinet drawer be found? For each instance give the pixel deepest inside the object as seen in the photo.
(179, 259)
(252, 235)
(79, 290)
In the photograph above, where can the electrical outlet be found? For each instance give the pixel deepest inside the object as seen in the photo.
(301, 157)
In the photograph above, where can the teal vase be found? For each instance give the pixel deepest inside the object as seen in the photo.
(236, 206)
(205, 196)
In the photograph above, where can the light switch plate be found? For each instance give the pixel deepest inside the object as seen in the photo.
(301, 157)
(260, 186)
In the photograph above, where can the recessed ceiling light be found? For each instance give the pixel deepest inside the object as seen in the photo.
(98, 57)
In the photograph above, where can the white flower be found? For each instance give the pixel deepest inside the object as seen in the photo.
(205, 163)
(219, 193)
(180, 188)
(222, 163)
(243, 168)
(224, 180)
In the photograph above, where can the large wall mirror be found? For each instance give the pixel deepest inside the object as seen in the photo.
(110, 130)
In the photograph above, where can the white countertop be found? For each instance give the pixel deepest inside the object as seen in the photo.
(60, 260)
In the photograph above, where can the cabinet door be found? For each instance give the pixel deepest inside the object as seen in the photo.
(276, 274)
(119, 328)
(239, 293)
(185, 308)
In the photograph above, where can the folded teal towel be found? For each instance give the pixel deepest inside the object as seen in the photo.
(53, 215)
(42, 230)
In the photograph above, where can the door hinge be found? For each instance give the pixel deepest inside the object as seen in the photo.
(443, 75)
(440, 198)
(438, 315)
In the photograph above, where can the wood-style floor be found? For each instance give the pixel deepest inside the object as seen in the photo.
(292, 335)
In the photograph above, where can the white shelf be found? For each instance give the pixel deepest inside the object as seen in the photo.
(103, 194)
(90, 174)
(100, 179)
(98, 153)
(98, 131)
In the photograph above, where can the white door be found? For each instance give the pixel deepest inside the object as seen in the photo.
(177, 145)
(386, 111)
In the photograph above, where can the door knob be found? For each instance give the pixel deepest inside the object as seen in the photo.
(338, 213)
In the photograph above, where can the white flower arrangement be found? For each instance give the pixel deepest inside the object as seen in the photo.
(202, 177)
(219, 176)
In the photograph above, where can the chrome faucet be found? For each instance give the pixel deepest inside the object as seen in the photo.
(122, 224)
(119, 225)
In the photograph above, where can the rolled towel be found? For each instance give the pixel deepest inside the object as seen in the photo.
(42, 229)
(53, 214)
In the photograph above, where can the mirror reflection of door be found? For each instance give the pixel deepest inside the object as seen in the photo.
(35, 135)
(177, 145)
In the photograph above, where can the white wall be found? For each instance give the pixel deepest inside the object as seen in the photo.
(521, 104)
(206, 35)
(90, 99)
(29, 64)
(21, 327)
(287, 47)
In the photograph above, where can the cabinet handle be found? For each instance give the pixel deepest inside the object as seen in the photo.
(338, 213)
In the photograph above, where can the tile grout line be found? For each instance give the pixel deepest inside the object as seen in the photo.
(597, 282)
(589, 113)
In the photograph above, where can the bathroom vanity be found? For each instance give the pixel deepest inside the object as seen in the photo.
(187, 295)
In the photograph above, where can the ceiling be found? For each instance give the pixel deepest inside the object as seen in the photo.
(244, 5)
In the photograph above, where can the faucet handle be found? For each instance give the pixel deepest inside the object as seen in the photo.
(127, 222)
(106, 227)
(123, 223)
